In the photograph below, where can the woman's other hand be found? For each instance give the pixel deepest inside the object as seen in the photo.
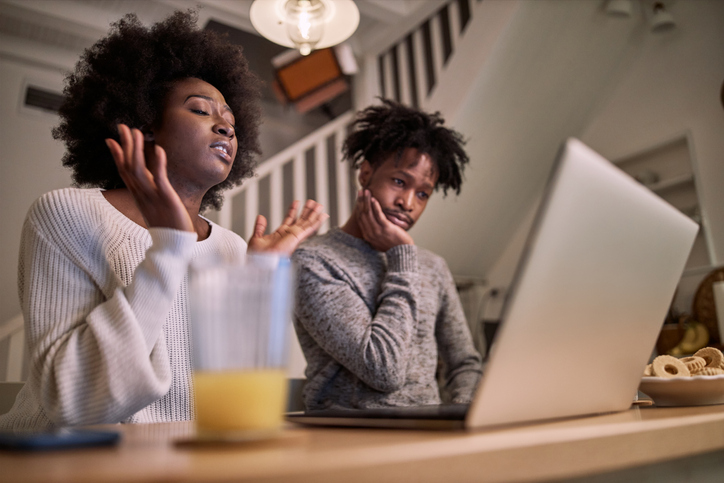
(143, 170)
(292, 231)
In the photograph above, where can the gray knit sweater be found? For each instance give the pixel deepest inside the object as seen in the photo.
(106, 317)
(372, 324)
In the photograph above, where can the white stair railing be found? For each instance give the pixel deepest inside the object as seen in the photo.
(295, 175)
(407, 71)
(410, 69)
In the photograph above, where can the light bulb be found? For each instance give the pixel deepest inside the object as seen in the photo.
(305, 23)
(662, 20)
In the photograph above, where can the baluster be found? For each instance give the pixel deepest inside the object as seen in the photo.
(413, 58)
(276, 195)
(402, 68)
(343, 174)
(299, 172)
(420, 74)
(438, 56)
(454, 16)
(225, 214)
(395, 62)
(251, 207)
(389, 75)
(465, 15)
(321, 178)
(382, 75)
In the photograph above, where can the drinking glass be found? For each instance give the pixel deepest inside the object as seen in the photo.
(240, 318)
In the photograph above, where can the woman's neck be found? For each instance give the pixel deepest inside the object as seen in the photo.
(122, 200)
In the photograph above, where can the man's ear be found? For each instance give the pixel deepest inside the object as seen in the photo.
(365, 173)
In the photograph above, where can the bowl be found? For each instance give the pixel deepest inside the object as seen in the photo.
(684, 391)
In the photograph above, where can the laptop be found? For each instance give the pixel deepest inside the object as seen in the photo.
(590, 294)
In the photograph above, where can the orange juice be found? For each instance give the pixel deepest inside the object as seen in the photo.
(240, 400)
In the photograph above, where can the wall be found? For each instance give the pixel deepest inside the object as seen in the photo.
(670, 85)
(674, 87)
(29, 165)
(541, 82)
(566, 69)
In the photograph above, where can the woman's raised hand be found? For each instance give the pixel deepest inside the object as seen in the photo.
(292, 231)
(143, 169)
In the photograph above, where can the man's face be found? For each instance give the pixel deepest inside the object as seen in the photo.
(402, 187)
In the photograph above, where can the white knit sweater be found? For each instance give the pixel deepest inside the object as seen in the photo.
(106, 316)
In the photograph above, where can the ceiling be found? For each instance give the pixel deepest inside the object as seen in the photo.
(73, 25)
(53, 33)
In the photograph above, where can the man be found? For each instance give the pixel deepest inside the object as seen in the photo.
(374, 311)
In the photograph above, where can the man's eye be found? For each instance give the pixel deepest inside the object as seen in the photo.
(199, 111)
(398, 181)
(423, 195)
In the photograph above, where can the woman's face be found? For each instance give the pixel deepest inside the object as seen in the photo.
(197, 133)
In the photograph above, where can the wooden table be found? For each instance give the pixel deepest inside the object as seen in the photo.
(562, 449)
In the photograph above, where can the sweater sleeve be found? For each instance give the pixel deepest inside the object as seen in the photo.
(374, 346)
(98, 358)
(461, 362)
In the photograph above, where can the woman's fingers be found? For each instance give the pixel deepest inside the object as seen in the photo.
(143, 168)
(308, 209)
(260, 226)
(124, 155)
(292, 232)
(116, 152)
(310, 215)
(159, 172)
(124, 134)
(138, 176)
(313, 211)
(314, 221)
(138, 159)
(291, 217)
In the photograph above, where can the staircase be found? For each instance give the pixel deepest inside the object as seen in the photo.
(419, 69)
(411, 71)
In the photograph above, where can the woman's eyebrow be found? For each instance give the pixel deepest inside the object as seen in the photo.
(210, 99)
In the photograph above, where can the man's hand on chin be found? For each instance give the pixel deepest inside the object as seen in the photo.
(376, 229)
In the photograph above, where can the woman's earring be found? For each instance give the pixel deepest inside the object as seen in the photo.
(148, 137)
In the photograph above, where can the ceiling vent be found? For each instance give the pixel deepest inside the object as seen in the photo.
(43, 99)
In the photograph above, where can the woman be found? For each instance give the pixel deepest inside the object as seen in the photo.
(159, 122)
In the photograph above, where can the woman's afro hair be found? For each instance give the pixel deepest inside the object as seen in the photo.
(124, 78)
(390, 128)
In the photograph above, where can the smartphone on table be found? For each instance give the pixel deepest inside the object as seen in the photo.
(57, 439)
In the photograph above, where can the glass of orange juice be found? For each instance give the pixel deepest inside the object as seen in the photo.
(240, 318)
